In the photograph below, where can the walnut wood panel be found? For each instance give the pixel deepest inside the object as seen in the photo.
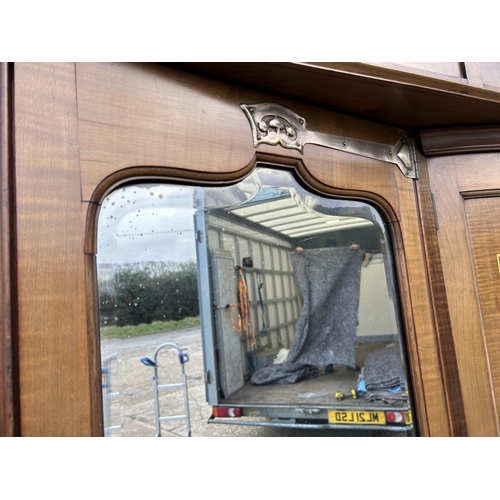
(134, 115)
(460, 140)
(132, 122)
(131, 115)
(420, 325)
(53, 349)
(460, 86)
(383, 95)
(7, 298)
(484, 231)
(140, 121)
(448, 178)
(477, 172)
(444, 333)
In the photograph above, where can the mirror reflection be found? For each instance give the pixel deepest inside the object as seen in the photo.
(255, 303)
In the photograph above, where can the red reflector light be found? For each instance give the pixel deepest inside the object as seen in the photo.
(395, 417)
(226, 411)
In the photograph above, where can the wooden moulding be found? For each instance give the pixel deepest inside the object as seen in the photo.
(368, 91)
(423, 349)
(193, 177)
(417, 376)
(94, 347)
(9, 410)
(460, 140)
(444, 332)
(312, 183)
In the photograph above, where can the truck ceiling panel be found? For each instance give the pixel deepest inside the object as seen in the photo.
(291, 217)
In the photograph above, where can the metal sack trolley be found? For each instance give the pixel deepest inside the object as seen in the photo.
(109, 366)
(183, 358)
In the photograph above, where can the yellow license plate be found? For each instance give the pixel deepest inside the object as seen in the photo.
(356, 417)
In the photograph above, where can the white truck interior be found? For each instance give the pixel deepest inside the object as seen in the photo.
(254, 228)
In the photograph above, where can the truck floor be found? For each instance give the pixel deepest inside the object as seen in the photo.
(308, 392)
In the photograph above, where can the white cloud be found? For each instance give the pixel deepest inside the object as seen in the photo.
(146, 223)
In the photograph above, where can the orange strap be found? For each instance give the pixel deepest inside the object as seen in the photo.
(245, 312)
(244, 325)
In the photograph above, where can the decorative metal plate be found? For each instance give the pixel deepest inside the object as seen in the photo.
(274, 124)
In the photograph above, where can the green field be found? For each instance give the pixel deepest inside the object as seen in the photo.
(125, 332)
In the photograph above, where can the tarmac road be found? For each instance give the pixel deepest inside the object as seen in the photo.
(133, 408)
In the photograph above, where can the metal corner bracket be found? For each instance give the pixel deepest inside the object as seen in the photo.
(275, 124)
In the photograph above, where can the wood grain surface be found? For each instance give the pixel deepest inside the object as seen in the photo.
(460, 140)
(429, 390)
(133, 115)
(484, 231)
(53, 349)
(8, 370)
(367, 90)
(83, 130)
(444, 333)
(228, 151)
(450, 179)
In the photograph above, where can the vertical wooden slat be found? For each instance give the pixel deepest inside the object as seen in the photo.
(449, 364)
(422, 345)
(7, 412)
(53, 350)
(90, 217)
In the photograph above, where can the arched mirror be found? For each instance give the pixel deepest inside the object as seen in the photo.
(283, 302)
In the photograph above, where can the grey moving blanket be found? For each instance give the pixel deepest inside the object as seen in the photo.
(383, 369)
(329, 279)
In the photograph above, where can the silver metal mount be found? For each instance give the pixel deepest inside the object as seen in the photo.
(274, 124)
